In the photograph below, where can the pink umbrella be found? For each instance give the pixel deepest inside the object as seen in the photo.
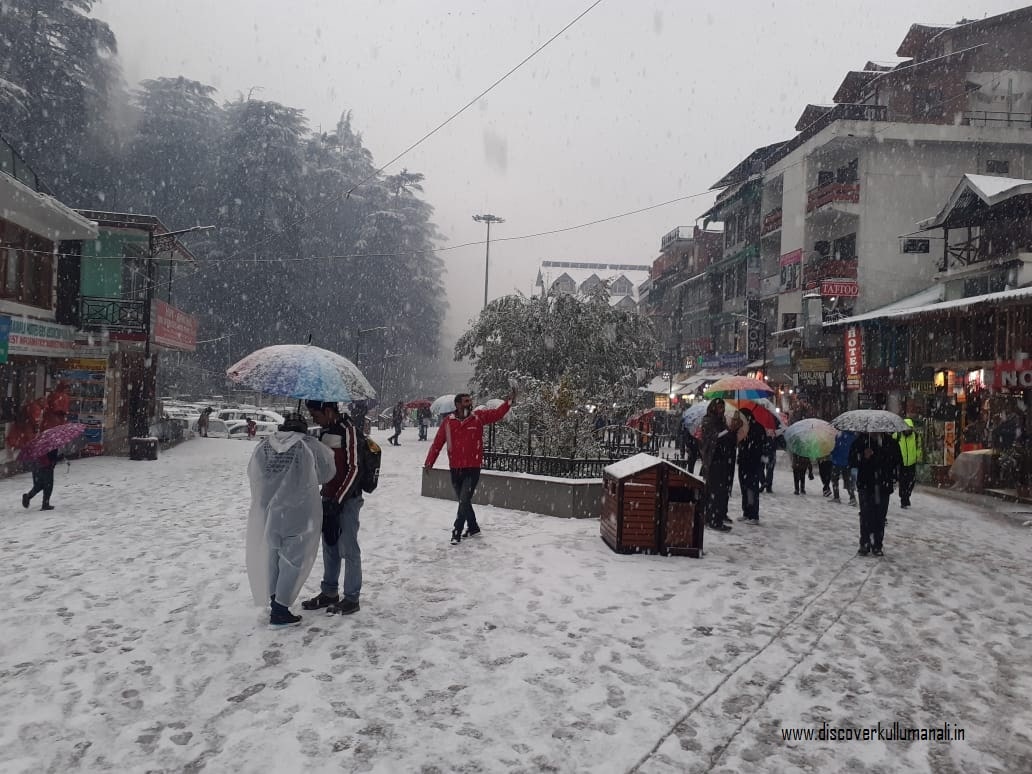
(51, 439)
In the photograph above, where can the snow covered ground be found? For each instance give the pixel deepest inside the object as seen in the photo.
(130, 643)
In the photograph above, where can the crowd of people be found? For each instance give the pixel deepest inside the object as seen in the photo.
(868, 465)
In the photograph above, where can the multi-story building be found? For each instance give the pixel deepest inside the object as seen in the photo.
(621, 280)
(839, 201)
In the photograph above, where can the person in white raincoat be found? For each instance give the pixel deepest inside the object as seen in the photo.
(285, 521)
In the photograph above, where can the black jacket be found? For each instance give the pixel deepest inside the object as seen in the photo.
(752, 448)
(881, 469)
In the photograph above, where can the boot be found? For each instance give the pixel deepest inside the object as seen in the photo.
(47, 506)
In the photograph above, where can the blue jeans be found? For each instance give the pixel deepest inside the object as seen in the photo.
(346, 549)
(464, 482)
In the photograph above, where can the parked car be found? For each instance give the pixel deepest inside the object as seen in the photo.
(216, 427)
(260, 415)
(238, 428)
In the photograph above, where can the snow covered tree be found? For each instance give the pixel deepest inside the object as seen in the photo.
(567, 352)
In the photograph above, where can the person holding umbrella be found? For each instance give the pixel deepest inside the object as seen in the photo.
(876, 459)
(717, 446)
(42, 479)
(750, 468)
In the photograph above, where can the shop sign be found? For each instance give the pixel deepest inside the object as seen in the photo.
(173, 328)
(40, 338)
(733, 360)
(792, 258)
(814, 364)
(782, 356)
(949, 440)
(1014, 375)
(854, 355)
(842, 288)
(814, 378)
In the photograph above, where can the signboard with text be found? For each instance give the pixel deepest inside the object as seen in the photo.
(5, 333)
(1013, 375)
(841, 288)
(733, 360)
(789, 259)
(854, 356)
(40, 338)
(173, 328)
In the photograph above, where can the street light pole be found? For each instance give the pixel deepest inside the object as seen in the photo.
(488, 219)
(383, 372)
(358, 343)
(156, 244)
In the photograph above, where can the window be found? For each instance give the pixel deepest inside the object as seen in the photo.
(917, 245)
(790, 277)
(822, 248)
(845, 248)
(825, 177)
(789, 321)
(850, 173)
(26, 266)
(997, 167)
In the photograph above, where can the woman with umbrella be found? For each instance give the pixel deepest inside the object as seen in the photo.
(42, 479)
(41, 454)
(750, 468)
(717, 446)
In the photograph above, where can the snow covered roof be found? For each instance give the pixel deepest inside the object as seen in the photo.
(638, 463)
(41, 214)
(989, 189)
(581, 272)
(957, 304)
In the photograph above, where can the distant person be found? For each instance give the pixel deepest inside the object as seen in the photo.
(202, 422)
(750, 468)
(840, 467)
(876, 459)
(910, 454)
(341, 504)
(824, 467)
(800, 466)
(424, 417)
(283, 527)
(398, 420)
(463, 430)
(252, 428)
(770, 459)
(42, 480)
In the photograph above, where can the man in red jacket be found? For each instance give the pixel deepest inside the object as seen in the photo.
(463, 430)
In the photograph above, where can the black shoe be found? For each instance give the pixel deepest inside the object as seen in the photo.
(826, 493)
(811, 476)
(279, 618)
(796, 492)
(864, 551)
(721, 527)
(344, 607)
(877, 552)
(319, 602)
(456, 537)
(25, 500)
(47, 507)
(471, 533)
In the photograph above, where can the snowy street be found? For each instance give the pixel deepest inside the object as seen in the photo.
(131, 643)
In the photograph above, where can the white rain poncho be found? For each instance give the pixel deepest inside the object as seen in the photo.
(285, 522)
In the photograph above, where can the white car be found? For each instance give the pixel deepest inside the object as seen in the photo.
(260, 415)
(216, 428)
(238, 428)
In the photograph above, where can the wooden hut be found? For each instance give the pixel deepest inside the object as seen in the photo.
(649, 506)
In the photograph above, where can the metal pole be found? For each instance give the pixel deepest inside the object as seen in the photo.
(487, 261)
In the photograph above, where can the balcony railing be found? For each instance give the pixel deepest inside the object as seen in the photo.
(997, 118)
(832, 192)
(771, 221)
(114, 314)
(813, 273)
(14, 165)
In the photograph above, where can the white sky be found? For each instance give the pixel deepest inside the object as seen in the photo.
(640, 102)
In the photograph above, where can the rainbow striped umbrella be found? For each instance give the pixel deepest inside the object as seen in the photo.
(739, 387)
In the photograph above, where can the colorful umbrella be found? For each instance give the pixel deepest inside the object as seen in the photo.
(738, 387)
(443, 405)
(811, 438)
(302, 371)
(870, 421)
(53, 438)
(763, 411)
(418, 403)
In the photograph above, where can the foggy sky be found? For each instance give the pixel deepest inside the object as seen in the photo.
(640, 102)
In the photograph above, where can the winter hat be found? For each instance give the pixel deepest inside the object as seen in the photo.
(321, 405)
(294, 423)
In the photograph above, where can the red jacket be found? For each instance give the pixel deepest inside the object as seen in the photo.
(465, 437)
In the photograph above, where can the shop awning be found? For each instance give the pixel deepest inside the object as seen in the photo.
(974, 194)
(659, 385)
(41, 214)
(1016, 295)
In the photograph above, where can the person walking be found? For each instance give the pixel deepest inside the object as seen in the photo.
(42, 480)
(840, 467)
(283, 526)
(397, 419)
(717, 447)
(876, 459)
(750, 468)
(341, 504)
(824, 467)
(769, 459)
(910, 455)
(423, 416)
(463, 431)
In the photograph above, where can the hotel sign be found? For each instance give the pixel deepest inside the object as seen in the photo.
(854, 356)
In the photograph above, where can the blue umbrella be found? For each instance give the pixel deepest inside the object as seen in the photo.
(302, 371)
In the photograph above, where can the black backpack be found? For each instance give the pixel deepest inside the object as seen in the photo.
(369, 454)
